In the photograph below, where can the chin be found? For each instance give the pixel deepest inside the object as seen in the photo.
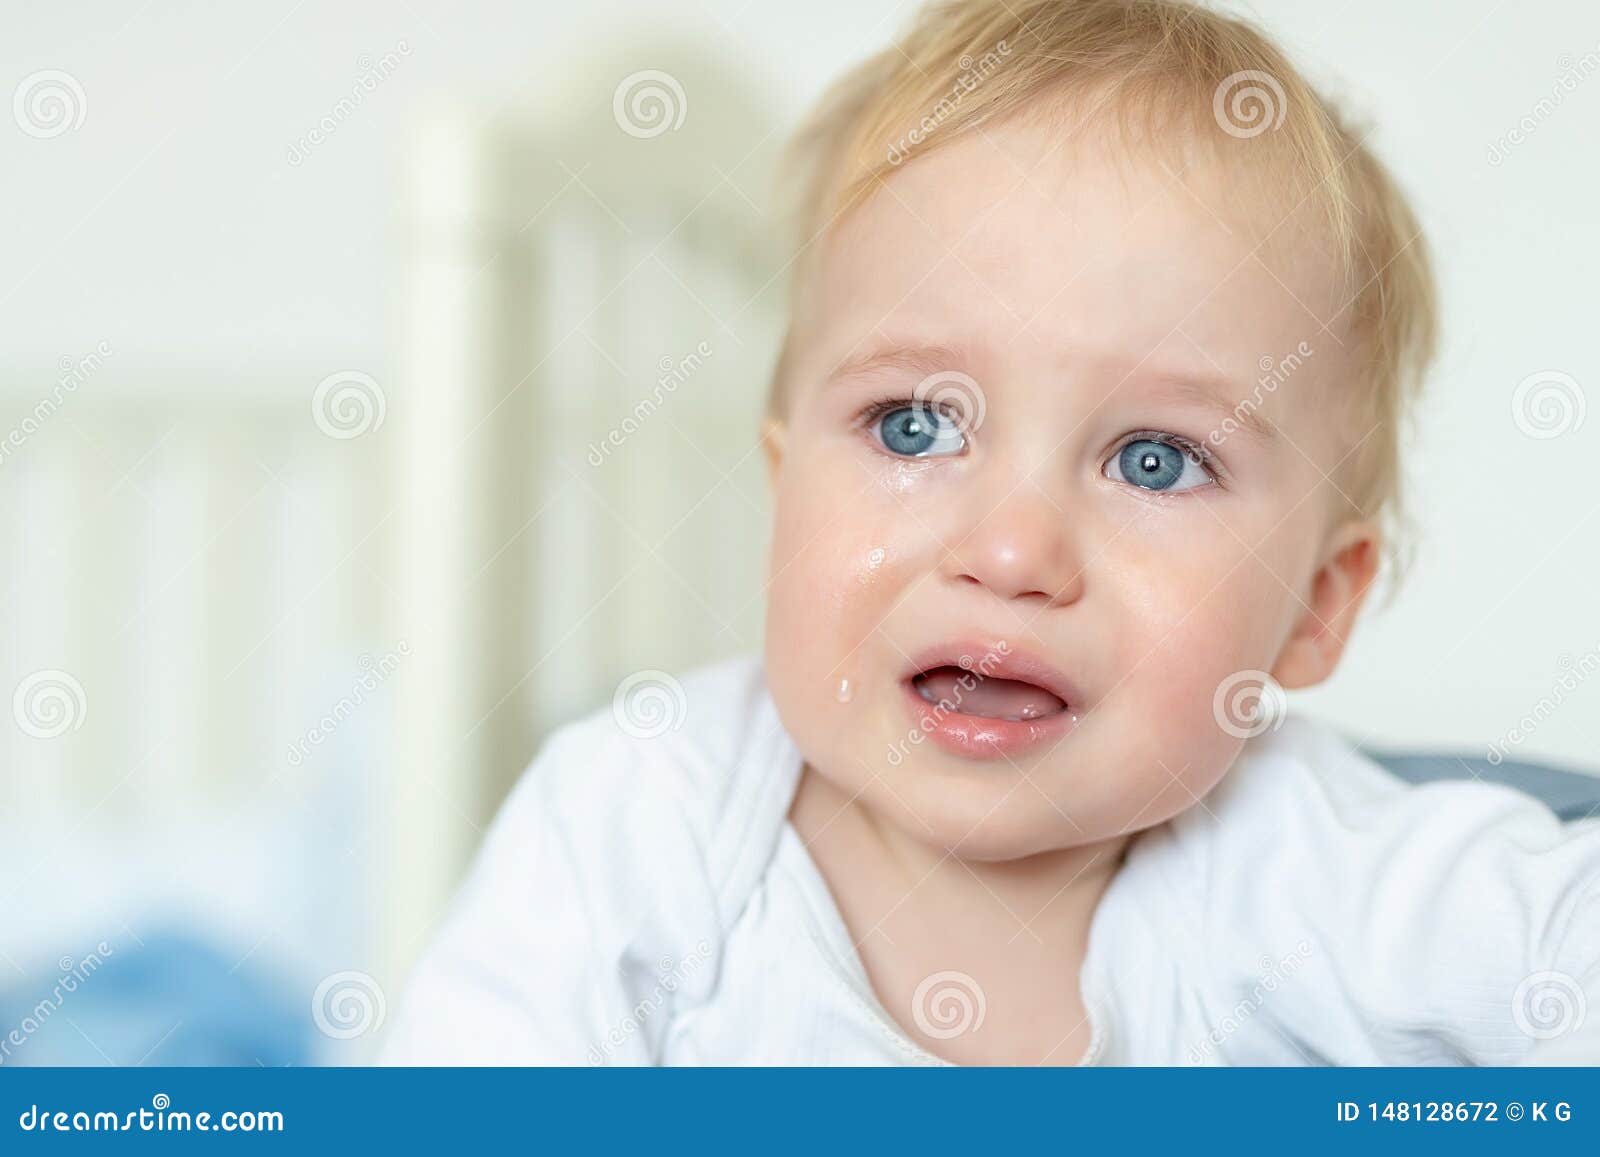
(987, 811)
(974, 810)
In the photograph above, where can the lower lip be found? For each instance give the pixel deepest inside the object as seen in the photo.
(980, 737)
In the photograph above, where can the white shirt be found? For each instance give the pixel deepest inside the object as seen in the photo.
(646, 901)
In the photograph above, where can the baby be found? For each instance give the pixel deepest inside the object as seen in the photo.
(1085, 445)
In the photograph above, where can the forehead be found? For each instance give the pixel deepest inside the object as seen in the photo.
(1076, 249)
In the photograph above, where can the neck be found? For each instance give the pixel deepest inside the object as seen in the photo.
(1041, 902)
(1016, 930)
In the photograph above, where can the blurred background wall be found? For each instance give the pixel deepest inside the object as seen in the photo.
(378, 389)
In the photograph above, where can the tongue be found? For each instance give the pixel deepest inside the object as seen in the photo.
(971, 694)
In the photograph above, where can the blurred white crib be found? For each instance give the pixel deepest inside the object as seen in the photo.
(589, 328)
(187, 594)
(306, 630)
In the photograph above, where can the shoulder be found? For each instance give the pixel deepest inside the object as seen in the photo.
(1293, 790)
(1428, 907)
(675, 770)
(1394, 853)
(600, 900)
(1317, 790)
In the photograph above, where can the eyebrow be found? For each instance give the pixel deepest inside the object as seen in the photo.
(1214, 393)
(924, 360)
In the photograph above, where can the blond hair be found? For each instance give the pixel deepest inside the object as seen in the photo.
(1158, 66)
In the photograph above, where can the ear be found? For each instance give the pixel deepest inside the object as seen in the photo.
(1339, 587)
(773, 434)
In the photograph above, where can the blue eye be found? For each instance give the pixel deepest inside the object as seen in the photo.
(1153, 465)
(918, 431)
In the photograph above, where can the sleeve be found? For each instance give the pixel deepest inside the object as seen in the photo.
(586, 917)
(1451, 923)
(1518, 922)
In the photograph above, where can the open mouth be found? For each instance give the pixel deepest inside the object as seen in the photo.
(988, 697)
(987, 700)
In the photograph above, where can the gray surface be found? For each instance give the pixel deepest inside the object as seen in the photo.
(1570, 794)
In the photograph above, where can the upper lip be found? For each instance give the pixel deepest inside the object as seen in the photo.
(997, 659)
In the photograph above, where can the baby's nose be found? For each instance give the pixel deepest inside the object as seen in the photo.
(1019, 548)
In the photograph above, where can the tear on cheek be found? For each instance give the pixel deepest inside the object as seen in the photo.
(903, 477)
(871, 564)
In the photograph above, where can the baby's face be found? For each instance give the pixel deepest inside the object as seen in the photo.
(1012, 438)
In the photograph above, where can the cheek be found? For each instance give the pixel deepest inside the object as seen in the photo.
(845, 538)
(1162, 720)
(1199, 594)
(1198, 635)
(827, 552)
(833, 569)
